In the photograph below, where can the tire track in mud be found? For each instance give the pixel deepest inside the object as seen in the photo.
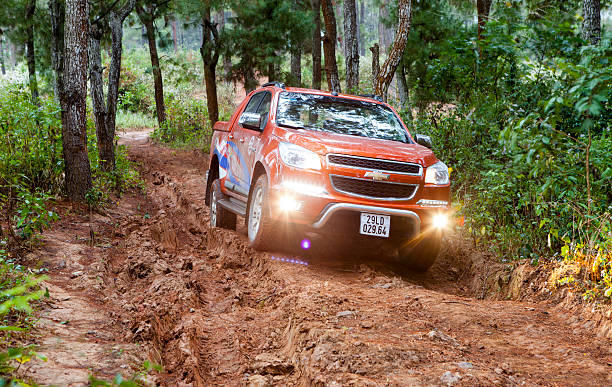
(218, 313)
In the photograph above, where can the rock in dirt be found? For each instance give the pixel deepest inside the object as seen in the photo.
(269, 364)
(436, 334)
(258, 381)
(465, 365)
(450, 378)
(346, 313)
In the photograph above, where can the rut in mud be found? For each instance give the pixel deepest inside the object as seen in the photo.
(217, 312)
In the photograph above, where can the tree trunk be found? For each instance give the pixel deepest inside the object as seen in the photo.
(375, 63)
(2, 53)
(329, 47)
(359, 24)
(56, 9)
(402, 86)
(174, 34)
(296, 67)
(146, 18)
(250, 82)
(73, 101)
(591, 26)
(351, 45)
(105, 143)
(316, 45)
(227, 60)
(30, 9)
(483, 8)
(385, 75)
(384, 32)
(13, 51)
(115, 21)
(210, 56)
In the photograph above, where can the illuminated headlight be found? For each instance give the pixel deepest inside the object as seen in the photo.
(299, 157)
(432, 203)
(440, 221)
(288, 203)
(437, 174)
(303, 188)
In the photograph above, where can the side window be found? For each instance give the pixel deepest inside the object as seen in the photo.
(252, 106)
(264, 110)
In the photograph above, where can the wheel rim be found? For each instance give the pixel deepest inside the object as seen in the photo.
(213, 209)
(255, 213)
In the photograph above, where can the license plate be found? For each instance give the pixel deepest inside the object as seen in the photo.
(373, 224)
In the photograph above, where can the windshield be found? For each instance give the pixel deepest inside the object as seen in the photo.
(339, 115)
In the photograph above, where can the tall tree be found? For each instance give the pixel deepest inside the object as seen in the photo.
(2, 52)
(329, 46)
(351, 45)
(296, 66)
(385, 75)
(316, 44)
(116, 17)
(210, 50)
(148, 12)
(105, 113)
(56, 11)
(262, 33)
(73, 100)
(375, 63)
(483, 8)
(591, 26)
(31, 56)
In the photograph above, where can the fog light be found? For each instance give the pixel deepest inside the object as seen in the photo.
(440, 221)
(287, 203)
(303, 188)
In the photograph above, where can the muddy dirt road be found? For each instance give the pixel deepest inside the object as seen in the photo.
(214, 312)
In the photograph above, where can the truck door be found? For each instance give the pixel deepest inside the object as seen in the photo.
(252, 135)
(238, 172)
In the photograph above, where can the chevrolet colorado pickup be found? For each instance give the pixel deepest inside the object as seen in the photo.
(339, 165)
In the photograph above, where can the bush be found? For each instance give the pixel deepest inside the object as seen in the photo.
(134, 94)
(187, 124)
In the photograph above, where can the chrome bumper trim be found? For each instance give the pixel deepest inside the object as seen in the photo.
(330, 210)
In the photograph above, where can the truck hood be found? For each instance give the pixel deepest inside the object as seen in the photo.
(325, 142)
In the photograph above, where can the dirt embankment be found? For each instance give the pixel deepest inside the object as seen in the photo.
(214, 312)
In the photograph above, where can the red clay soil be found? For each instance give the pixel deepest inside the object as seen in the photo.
(159, 283)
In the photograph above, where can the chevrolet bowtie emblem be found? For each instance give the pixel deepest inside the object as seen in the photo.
(377, 175)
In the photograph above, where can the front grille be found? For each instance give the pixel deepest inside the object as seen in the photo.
(375, 164)
(373, 189)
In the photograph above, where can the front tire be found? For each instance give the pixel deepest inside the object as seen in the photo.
(420, 253)
(260, 226)
(219, 216)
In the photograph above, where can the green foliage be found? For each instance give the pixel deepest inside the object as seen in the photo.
(186, 123)
(31, 214)
(134, 94)
(262, 30)
(17, 290)
(523, 118)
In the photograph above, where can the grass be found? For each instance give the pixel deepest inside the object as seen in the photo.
(135, 120)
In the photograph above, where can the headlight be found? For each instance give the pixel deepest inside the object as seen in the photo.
(437, 174)
(296, 156)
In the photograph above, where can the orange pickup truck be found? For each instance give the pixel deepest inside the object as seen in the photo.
(339, 165)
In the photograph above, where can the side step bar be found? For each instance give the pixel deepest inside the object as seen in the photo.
(236, 206)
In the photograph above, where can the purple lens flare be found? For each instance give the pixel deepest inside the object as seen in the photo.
(305, 244)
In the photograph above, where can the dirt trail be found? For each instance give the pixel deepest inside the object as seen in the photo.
(214, 312)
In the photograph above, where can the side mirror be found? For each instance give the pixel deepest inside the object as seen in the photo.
(221, 126)
(251, 121)
(424, 140)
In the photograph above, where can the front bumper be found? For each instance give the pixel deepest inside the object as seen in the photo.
(332, 213)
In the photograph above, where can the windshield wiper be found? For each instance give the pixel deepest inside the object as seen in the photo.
(285, 125)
